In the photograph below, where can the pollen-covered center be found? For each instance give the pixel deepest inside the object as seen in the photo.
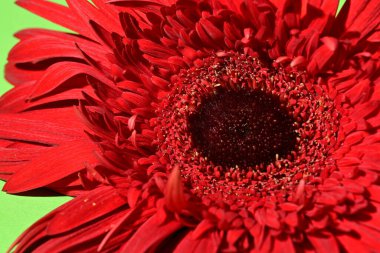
(242, 128)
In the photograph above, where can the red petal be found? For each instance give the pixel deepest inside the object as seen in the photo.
(320, 59)
(87, 11)
(85, 208)
(369, 237)
(374, 191)
(154, 49)
(363, 17)
(187, 245)
(153, 235)
(330, 42)
(354, 245)
(54, 164)
(203, 227)
(54, 12)
(39, 44)
(58, 73)
(16, 75)
(212, 31)
(283, 245)
(50, 127)
(208, 243)
(324, 243)
(174, 196)
(22, 154)
(83, 239)
(40, 48)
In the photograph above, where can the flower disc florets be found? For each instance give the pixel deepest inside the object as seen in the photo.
(242, 129)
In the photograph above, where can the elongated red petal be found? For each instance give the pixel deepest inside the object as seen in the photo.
(57, 74)
(12, 126)
(85, 208)
(52, 165)
(153, 234)
(54, 12)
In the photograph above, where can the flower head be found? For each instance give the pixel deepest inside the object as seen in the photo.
(197, 126)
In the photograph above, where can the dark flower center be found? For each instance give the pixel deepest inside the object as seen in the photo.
(242, 128)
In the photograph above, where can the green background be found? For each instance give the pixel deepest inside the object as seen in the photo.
(19, 212)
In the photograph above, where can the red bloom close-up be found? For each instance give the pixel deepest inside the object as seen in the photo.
(197, 125)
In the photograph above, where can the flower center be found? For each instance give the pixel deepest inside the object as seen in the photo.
(242, 128)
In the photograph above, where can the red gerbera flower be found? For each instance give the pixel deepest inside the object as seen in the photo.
(198, 126)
